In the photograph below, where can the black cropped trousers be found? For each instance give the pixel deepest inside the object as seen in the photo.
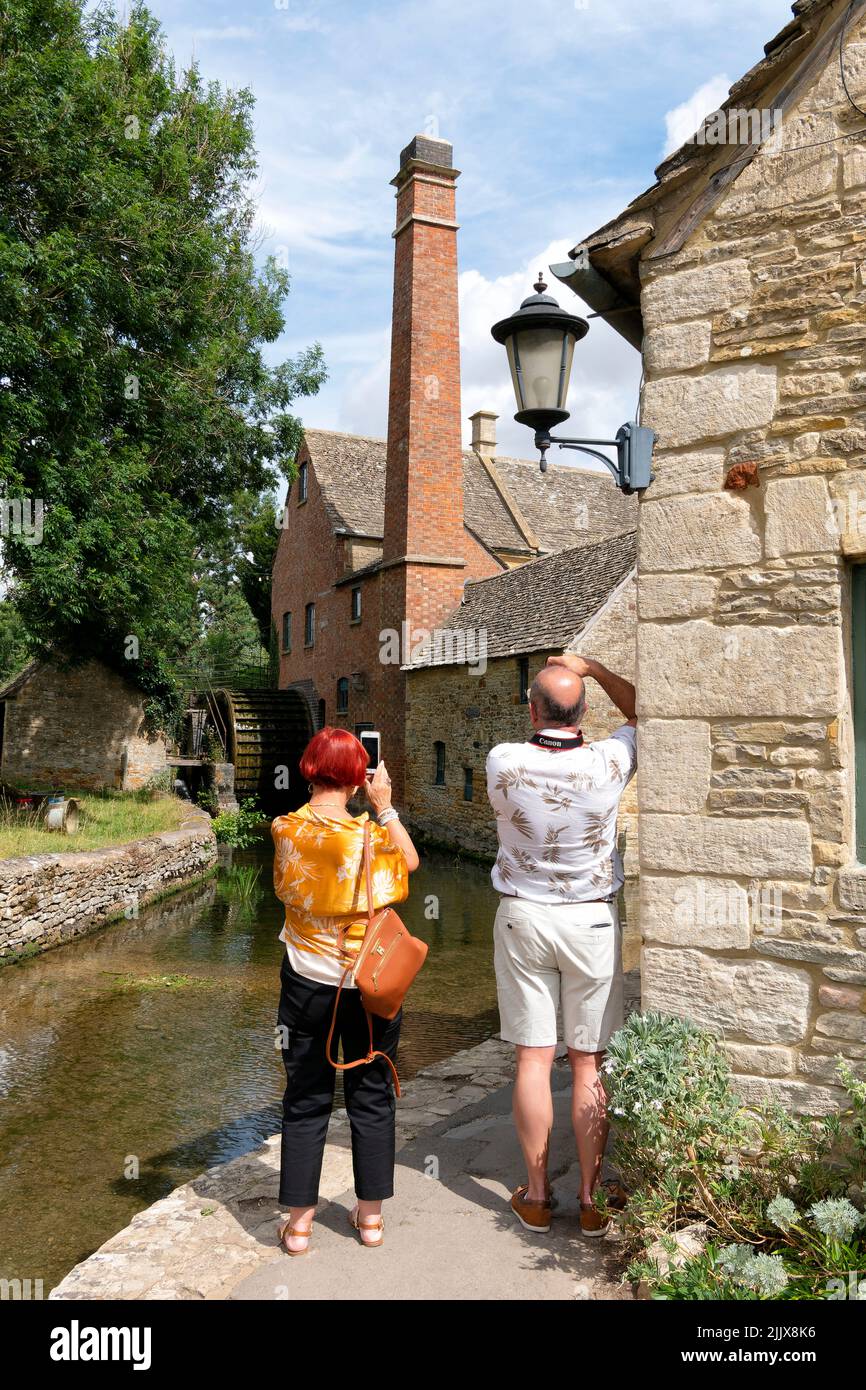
(305, 1012)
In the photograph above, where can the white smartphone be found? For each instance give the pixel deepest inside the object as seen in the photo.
(372, 741)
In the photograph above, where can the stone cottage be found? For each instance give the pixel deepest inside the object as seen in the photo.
(582, 599)
(743, 267)
(76, 727)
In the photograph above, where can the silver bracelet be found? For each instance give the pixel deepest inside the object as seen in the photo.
(386, 816)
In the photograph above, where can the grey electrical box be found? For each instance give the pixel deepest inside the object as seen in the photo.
(634, 447)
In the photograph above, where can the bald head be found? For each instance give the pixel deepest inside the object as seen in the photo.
(558, 698)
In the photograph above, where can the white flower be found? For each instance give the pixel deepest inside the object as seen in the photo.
(617, 1110)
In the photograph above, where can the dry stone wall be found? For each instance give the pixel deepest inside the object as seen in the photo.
(50, 898)
(753, 908)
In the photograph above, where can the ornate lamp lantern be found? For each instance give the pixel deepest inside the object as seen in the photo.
(539, 340)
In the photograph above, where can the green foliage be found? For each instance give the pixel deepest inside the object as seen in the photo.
(781, 1198)
(239, 828)
(137, 402)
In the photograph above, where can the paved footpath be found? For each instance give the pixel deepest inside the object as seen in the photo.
(450, 1233)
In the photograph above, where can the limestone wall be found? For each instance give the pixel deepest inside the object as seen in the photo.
(81, 727)
(753, 908)
(50, 898)
(471, 713)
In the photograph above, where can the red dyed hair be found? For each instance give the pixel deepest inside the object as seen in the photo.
(334, 758)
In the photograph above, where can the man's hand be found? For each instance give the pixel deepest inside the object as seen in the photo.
(580, 665)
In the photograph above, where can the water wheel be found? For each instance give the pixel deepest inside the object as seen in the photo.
(266, 732)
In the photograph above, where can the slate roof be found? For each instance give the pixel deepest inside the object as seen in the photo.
(543, 604)
(559, 505)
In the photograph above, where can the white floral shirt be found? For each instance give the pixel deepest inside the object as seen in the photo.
(556, 813)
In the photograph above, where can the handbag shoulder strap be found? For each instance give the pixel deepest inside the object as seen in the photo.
(372, 1052)
(368, 872)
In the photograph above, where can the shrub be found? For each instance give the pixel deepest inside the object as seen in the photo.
(239, 828)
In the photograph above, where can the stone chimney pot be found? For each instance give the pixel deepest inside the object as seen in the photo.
(484, 432)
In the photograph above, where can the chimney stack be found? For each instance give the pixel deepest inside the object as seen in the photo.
(484, 432)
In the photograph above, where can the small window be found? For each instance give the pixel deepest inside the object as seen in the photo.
(323, 714)
(309, 625)
(342, 694)
(523, 679)
(302, 484)
(287, 632)
(467, 784)
(356, 604)
(439, 772)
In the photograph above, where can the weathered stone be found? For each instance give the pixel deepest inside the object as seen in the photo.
(833, 997)
(677, 346)
(688, 294)
(763, 1061)
(801, 1097)
(687, 911)
(685, 410)
(703, 532)
(851, 887)
(723, 845)
(701, 471)
(799, 517)
(763, 1002)
(673, 764)
(696, 669)
(676, 595)
(838, 1024)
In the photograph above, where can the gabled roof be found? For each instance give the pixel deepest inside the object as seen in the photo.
(605, 270)
(559, 505)
(17, 682)
(542, 605)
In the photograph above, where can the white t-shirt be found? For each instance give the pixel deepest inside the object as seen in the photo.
(556, 814)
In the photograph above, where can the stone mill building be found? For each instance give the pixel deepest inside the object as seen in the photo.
(743, 270)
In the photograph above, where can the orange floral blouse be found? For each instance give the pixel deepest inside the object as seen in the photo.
(319, 877)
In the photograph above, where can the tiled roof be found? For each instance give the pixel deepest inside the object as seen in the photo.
(559, 505)
(543, 604)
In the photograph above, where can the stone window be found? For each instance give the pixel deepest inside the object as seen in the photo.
(287, 632)
(467, 783)
(310, 625)
(356, 605)
(302, 484)
(858, 654)
(439, 767)
(523, 679)
(342, 694)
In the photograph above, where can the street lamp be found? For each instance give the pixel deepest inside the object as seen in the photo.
(539, 339)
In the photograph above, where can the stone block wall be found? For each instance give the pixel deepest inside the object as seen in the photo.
(51, 898)
(81, 727)
(471, 713)
(753, 908)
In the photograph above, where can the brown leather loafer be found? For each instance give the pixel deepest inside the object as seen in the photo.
(592, 1223)
(533, 1216)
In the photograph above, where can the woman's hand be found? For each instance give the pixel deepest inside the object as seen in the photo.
(378, 789)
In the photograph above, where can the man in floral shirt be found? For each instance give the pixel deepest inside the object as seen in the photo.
(556, 934)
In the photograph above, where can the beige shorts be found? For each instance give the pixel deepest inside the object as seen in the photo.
(552, 955)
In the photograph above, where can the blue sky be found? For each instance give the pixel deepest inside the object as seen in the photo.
(558, 111)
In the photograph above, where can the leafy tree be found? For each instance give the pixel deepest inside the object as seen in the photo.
(135, 399)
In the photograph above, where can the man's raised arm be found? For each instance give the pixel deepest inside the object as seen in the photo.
(616, 688)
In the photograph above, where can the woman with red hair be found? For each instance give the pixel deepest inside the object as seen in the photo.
(319, 877)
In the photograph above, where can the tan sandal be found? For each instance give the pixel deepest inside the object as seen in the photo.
(298, 1231)
(375, 1223)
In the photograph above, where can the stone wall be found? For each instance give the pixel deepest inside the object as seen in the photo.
(471, 713)
(82, 727)
(50, 898)
(753, 908)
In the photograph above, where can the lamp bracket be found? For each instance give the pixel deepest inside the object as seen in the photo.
(633, 444)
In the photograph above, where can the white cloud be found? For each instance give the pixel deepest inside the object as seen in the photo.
(686, 119)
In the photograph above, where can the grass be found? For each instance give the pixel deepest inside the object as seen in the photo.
(107, 818)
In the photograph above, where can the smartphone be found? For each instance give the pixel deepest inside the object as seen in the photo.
(372, 741)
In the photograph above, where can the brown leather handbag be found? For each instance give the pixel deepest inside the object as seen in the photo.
(387, 963)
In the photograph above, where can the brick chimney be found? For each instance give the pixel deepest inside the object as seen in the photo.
(423, 549)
